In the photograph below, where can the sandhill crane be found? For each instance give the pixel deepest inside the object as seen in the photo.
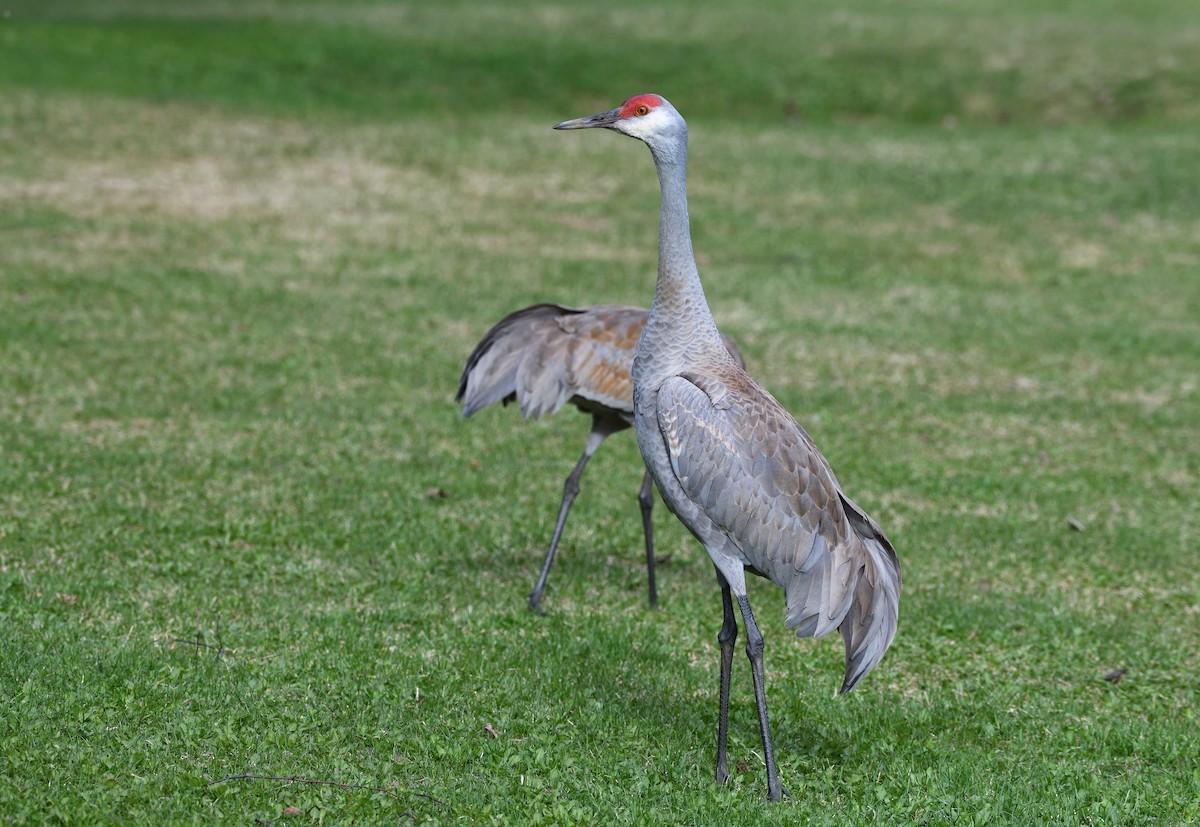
(736, 468)
(546, 356)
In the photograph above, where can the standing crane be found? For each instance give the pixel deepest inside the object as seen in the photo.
(546, 356)
(736, 468)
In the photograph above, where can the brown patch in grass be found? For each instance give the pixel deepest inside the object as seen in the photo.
(278, 181)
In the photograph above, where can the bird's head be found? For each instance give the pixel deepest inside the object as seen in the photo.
(649, 118)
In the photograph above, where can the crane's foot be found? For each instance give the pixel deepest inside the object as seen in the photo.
(535, 603)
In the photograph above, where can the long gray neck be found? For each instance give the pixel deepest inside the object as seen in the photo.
(681, 328)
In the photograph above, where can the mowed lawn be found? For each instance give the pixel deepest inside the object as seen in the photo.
(245, 250)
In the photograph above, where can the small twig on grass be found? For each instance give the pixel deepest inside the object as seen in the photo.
(199, 641)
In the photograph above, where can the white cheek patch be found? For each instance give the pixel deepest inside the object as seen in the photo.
(641, 126)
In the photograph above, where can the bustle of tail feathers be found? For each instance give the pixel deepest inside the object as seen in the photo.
(502, 367)
(870, 625)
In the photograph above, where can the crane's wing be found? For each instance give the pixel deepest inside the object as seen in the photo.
(759, 477)
(600, 345)
(546, 355)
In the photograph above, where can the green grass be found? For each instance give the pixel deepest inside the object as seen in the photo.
(246, 248)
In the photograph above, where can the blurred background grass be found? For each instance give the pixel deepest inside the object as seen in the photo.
(897, 62)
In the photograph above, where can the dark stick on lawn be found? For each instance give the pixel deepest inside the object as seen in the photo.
(199, 641)
(198, 644)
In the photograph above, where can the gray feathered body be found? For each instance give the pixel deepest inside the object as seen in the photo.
(748, 481)
(739, 471)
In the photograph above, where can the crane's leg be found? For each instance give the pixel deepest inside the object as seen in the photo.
(646, 500)
(570, 490)
(754, 650)
(726, 637)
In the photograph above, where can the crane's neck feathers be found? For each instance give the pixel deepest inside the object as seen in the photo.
(681, 326)
(680, 331)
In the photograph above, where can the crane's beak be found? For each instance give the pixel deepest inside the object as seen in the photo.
(604, 119)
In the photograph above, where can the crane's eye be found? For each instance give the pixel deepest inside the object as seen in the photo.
(642, 110)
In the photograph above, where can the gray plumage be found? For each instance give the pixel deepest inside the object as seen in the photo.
(546, 356)
(736, 468)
